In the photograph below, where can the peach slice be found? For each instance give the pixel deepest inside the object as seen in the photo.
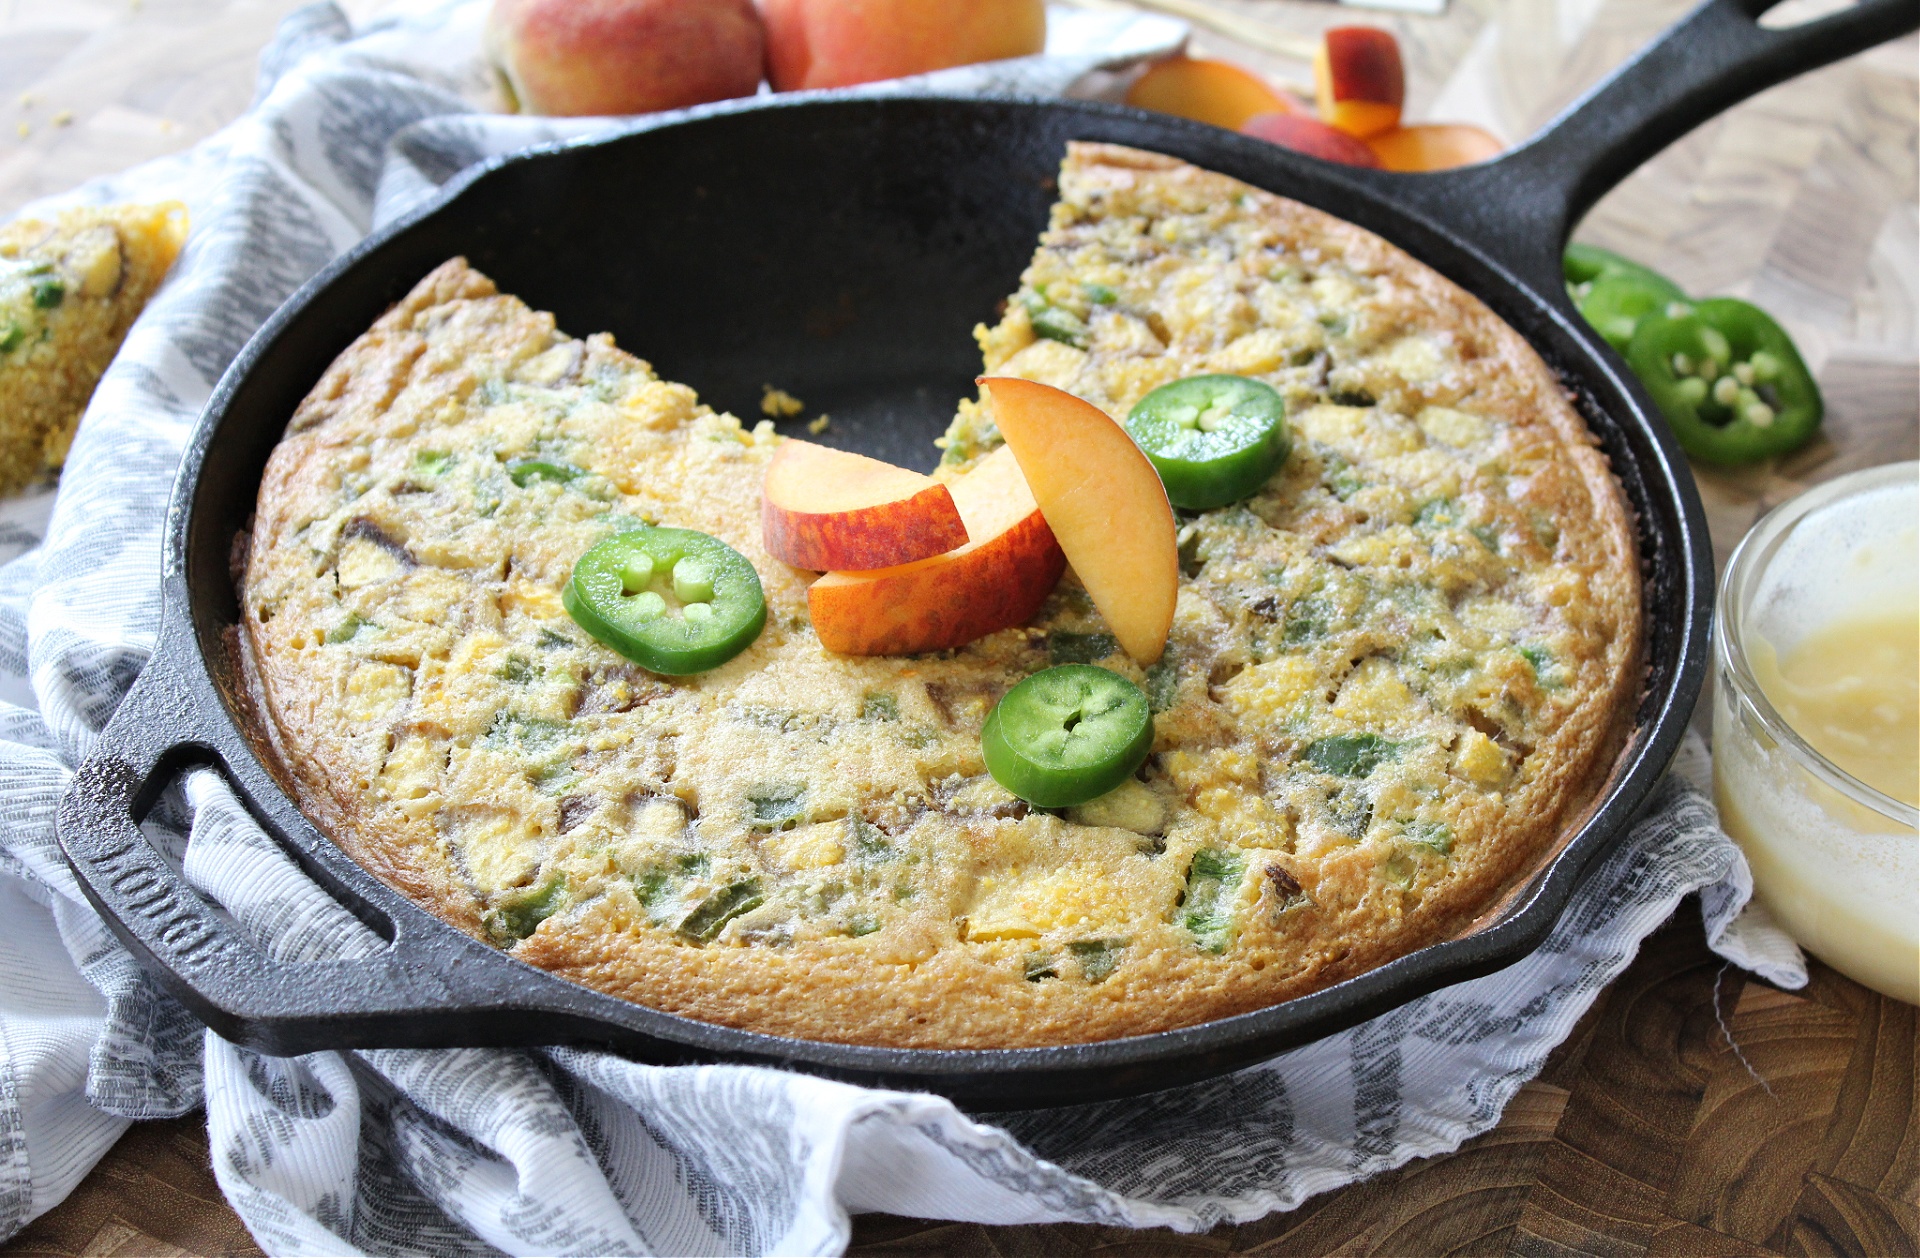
(1434, 146)
(828, 509)
(1216, 92)
(995, 581)
(1358, 80)
(1103, 500)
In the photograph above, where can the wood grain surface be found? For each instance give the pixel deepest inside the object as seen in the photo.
(1647, 1133)
(1694, 1111)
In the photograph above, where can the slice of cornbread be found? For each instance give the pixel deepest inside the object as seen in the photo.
(69, 290)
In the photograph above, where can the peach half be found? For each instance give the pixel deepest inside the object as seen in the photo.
(1216, 92)
(1434, 146)
(837, 43)
(831, 510)
(1104, 501)
(997, 580)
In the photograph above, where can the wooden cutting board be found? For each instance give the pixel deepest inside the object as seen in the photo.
(1694, 1111)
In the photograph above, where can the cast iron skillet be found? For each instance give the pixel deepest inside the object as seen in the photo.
(843, 249)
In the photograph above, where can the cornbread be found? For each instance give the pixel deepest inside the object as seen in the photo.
(69, 290)
(1395, 674)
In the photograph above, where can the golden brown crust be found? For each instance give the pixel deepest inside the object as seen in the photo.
(449, 728)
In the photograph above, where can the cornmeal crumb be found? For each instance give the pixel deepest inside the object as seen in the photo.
(779, 404)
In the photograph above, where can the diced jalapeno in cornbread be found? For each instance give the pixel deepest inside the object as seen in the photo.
(1097, 957)
(1065, 647)
(722, 907)
(1207, 911)
(1395, 670)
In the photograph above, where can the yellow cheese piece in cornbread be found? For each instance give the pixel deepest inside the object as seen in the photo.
(69, 290)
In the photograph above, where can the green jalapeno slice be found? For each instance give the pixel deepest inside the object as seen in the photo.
(1066, 735)
(1582, 265)
(1213, 439)
(1614, 293)
(671, 600)
(1729, 381)
(1615, 305)
(524, 472)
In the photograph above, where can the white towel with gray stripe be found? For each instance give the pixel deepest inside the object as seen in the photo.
(563, 1150)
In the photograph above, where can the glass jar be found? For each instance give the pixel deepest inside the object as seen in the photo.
(1835, 859)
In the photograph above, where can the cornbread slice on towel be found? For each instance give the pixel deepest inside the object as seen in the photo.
(1395, 674)
(69, 290)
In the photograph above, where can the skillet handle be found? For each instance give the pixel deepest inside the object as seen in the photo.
(196, 951)
(1523, 205)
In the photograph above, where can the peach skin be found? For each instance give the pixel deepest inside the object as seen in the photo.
(997, 580)
(625, 56)
(1310, 136)
(828, 509)
(837, 43)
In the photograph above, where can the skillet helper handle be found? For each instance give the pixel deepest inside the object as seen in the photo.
(1526, 202)
(195, 950)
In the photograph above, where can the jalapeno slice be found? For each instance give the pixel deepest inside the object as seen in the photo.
(1583, 264)
(1729, 381)
(1214, 439)
(1615, 305)
(671, 600)
(1614, 293)
(1067, 735)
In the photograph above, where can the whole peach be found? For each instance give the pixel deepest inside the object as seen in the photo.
(835, 43)
(625, 56)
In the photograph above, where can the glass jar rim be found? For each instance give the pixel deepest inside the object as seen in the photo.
(1750, 559)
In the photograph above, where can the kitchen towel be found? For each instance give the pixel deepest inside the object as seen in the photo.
(565, 1150)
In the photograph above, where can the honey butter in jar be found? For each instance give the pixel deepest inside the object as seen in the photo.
(1816, 724)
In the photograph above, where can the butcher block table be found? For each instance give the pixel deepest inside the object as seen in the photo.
(1695, 1110)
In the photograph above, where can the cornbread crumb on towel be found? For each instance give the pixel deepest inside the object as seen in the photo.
(70, 288)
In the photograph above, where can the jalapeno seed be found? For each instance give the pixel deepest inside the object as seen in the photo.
(692, 581)
(636, 574)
